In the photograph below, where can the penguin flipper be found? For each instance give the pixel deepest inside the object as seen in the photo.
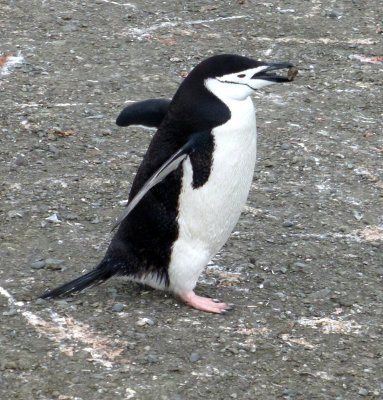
(148, 113)
(195, 141)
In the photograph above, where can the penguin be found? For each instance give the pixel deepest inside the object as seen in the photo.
(193, 181)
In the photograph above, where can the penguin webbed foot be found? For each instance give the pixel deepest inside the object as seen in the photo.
(206, 304)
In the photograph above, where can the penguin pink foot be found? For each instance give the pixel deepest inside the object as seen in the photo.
(205, 303)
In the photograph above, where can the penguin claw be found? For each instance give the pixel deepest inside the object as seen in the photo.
(205, 303)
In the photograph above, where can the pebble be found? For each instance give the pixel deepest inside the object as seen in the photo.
(288, 223)
(54, 263)
(55, 218)
(118, 307)
(10, 312)
(285, 146)
(152, 358)
(296, 160)
(98, 116)
(144, 321)
(363, 392)
(72, 217)
(37, 265)
(334, 14)
(15, 213)
(299, 266)
(194, 357)
(54, 150)
(10, 365)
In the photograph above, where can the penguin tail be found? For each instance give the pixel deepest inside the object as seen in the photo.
(105, 270)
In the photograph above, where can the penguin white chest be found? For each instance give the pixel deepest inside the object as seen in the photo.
(208, 214)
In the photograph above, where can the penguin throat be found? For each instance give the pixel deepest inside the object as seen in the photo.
(228, 90)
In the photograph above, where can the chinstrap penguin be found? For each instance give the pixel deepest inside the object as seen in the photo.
(194, 179)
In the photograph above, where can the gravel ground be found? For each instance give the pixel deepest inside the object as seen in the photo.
(304, 266)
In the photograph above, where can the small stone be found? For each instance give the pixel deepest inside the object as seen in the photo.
(54, 150)
(37, 265)
(98, 116)
(152, 358)
(144, 321)
(288, 223)
(72, 217)
(10, 365)
(194, 357)
(357, 215)
(10, 313)
(15, 213)
(285, 146)
(299, 266)
(296, 160)
(53, 263)
(20, 161)
(363, 392)
(118, 307)
(334, 14)
(55, 218)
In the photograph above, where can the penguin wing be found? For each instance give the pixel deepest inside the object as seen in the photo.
(195, 141)
(148, 113)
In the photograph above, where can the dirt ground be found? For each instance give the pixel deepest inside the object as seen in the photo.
(304, 266)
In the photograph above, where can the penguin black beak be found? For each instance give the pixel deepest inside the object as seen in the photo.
(272, 77)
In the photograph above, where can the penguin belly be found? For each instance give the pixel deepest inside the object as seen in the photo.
(208, 214)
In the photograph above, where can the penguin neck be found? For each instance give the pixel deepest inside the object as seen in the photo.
(194, 108)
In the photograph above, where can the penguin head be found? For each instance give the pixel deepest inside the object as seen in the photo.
(235, 77)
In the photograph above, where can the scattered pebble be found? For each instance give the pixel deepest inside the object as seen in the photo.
(118, 307)
(288, 223)
(144, 321)
(37, 265)
(285, 146)
(194, 357)
(55, 218)
(151, 358)
(54, 263)
(15, 213)
(299, 266)
(10, 365)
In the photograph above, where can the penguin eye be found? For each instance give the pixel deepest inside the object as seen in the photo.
(241, 75)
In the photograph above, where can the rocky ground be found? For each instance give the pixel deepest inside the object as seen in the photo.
(304, 266)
